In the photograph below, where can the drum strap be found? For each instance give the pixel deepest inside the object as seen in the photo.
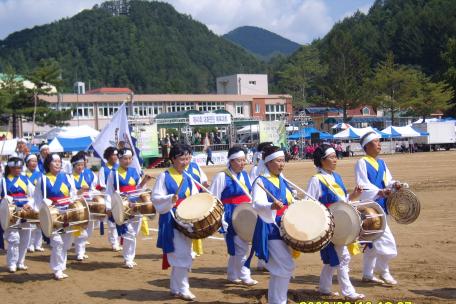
(237, 181)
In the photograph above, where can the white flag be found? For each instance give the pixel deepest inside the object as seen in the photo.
(117, 134)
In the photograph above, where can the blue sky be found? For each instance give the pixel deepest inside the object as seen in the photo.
(298, 20)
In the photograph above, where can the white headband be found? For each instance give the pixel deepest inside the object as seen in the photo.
(55, 157)
(30, 157)
(17, 163)
(236, 155)
(79, 161)
(274, 156)
(126, 153)
(44, 147)
(328, 152)
(369, 138)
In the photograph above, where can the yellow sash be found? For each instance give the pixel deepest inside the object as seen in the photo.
(332, 185)
(374, 164)
(197, 246)
(122, 172)
(241, 183)
(144, 226)
(19, 183)
(63, 188)
(276, 182)
(177, 177)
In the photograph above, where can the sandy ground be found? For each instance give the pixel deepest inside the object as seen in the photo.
(425, 267)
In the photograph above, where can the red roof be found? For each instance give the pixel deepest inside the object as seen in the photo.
(110, 91)
(359, 111)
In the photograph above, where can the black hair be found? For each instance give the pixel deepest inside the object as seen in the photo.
(48, 160)
(108, 152)
(12, 159)
(319, 154)
(177, 150)
(268, 150)
(76, 157)
(188, 148)
(235, 149)
(123, 151)
(263, 145)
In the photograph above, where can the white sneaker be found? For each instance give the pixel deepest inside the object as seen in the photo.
(373, 280)
(388, 279)
(40, 249)
(129, 265)
(193, 255)
(22, 267)
(60, 275)
(187, 296)
(12, 269)
(249, 282)
(31, 249)
(116, 248)
(355, 297)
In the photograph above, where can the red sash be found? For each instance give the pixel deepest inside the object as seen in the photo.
(127, 188)
(57, 201)
(282, 210)
(236, 200)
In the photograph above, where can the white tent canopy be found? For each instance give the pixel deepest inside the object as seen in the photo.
(70, 132)
(401, 131)
(353, 133)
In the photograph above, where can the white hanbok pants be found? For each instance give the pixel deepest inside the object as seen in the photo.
(129, 243)
(60, 244)
(343, 278)
(80, 241)
(382, 251)
(281, 267)
(36, 239)
(236, 269)
(113, 236)
(181, 262)
(18, 240)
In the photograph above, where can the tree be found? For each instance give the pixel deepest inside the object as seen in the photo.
(449, 56)
(392, 86)
(301, 73)
(430, 97)
(348, 67)
(20, 102)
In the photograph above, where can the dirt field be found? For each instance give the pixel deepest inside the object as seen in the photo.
(425, 267)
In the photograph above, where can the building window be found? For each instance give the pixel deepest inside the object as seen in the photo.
(252, 82)
(257, 108)
(210, 106)
(275, 111)
(239, 109)
(366, 111)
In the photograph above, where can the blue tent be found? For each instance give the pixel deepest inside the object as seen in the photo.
(306, 133)
(60, 144)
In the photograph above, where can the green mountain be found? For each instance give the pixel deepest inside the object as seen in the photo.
(261, 42)
(146, 46)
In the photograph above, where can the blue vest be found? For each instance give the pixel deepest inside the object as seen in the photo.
(264, 231)
(328, 254)
(124, 182)
(54, 191)
(41, 166)
(107, 171)
(166, 221)
(16, 192)
(232, 191)
(192, 167)
(82, 177)
(376, 178)
(33, 178)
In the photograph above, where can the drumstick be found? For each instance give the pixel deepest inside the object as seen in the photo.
(267, 192)
(300, 189)
(199, 184)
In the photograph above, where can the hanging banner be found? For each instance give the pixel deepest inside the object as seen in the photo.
(209, 119)
(273, 131)
(147, 140)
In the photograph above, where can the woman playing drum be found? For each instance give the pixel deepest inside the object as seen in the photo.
(267, 242)
(171, 188)
(19, 187)
(55, 186)
(123, 180)
(373, 175)
(34, 174)
(327, 186)
(111, 157)
(233, 187)
(84, 182)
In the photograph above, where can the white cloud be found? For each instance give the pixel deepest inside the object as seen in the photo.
(298, 20)
(16, 15)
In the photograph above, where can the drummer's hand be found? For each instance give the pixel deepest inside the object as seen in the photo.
(206, 184)
(27, 207)
(277, 205)
(174, 199)
(355, 194)
(384, 192)
(109, 213)
(397, 185)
